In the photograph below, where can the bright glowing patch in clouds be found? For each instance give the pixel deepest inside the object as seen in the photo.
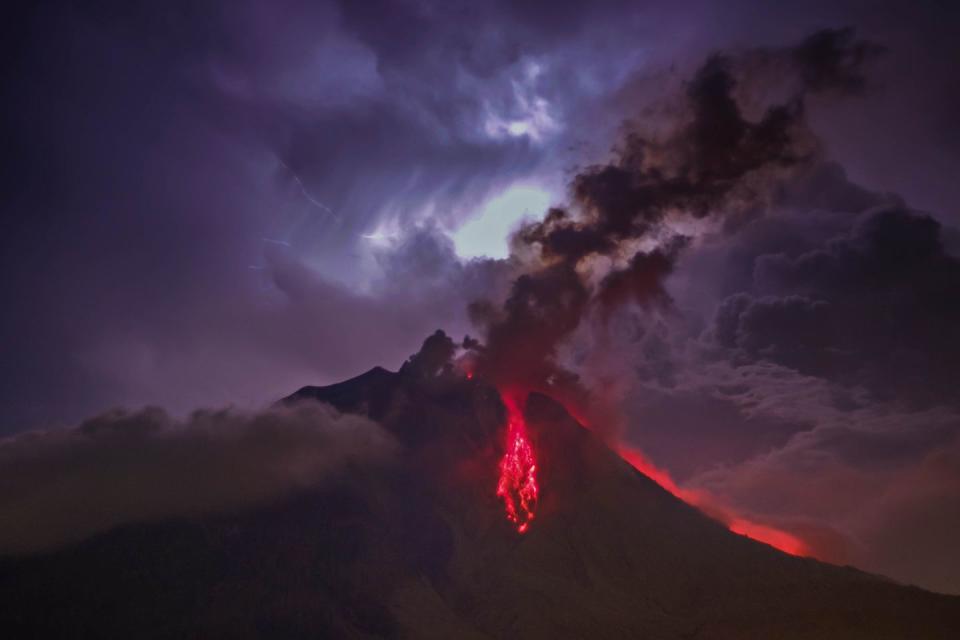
(530, 114)
(536, 121)
(486, 234)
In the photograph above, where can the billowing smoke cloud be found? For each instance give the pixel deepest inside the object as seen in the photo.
(124, 467)
(618, 241)
(872, 306)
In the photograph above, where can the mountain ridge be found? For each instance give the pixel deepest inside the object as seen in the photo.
(421, 548)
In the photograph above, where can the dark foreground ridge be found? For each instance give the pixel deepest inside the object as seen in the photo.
(422, 549)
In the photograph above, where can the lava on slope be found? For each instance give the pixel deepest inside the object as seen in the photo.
(517, 485)
(707, 502)
(710, 505)
(518, 488)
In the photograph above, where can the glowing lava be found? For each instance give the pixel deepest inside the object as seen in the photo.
(518, 486)
(711, 506)
(518, 469)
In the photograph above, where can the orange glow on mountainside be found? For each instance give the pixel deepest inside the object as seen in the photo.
(518, 488)
(707, 503)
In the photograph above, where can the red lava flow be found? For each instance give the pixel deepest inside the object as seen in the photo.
(517, 485)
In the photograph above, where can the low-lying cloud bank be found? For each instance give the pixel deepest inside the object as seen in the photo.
(64, 485)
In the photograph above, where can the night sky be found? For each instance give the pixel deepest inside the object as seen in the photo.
(750, 271)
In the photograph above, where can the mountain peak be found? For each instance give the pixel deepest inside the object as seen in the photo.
(421, 548)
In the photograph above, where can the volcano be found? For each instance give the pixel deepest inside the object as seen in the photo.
(422, 548)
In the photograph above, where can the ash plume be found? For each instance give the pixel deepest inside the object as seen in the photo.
(626, 224)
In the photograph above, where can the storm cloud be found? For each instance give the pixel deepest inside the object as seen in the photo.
(212, 204)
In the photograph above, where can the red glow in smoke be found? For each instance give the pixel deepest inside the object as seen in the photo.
(518, 469)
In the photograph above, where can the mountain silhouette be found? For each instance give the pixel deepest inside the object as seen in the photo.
(421, 548)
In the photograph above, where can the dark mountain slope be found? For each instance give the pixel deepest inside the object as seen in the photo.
(422, 549)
